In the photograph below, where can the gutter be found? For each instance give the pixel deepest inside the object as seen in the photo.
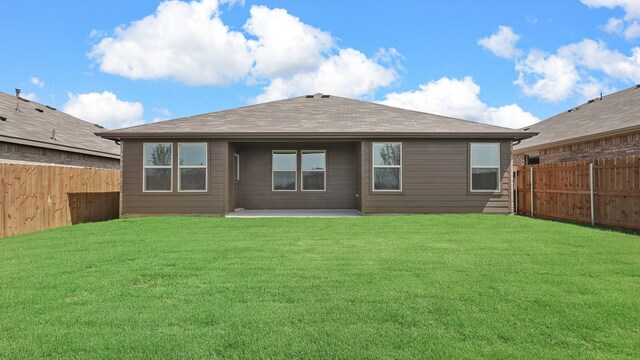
(516, 135)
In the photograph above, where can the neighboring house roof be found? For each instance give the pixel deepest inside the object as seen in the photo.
(317, 116)
(613, 114)
(33, 125)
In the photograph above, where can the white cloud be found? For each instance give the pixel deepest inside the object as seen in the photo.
(627, 26)
(459, 98)
(594, 55)
(280, 52)
(284, 44)
(614, 26)
(632, 31)
(184, 41)
(502, 43)
(549, 77)
(105, 109)
(29, 96)
(349, 73)
(630, 7)
(37, 82)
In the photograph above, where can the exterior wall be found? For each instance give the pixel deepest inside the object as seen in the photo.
(340, 178)
(607, 147)
(211, 202)
(435, 179)
(19, 152)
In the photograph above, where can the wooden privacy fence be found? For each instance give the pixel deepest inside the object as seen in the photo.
(37, 197)
(604, 191)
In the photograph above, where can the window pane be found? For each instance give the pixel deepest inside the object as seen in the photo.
(485, 154)
(284, 160)
(193, 179)
(313, 160)
(386, 178)
(193, 154)
(484, 179)
(157, 154)
(157, 179)
(284, 180)
(313, 180)
(386, 154)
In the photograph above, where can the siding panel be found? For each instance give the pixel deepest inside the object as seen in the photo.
(435, 179)
(135, 201)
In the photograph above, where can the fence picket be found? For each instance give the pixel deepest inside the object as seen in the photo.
(562, 191)
(38, 197)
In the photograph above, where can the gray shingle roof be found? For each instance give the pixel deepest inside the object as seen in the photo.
(318, 116)
(34, 127)
(615, 113)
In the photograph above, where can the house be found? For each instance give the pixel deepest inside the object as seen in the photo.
(604, 127)
(36, 133)
(316, 152)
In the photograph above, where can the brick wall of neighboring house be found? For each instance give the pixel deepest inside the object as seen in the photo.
(49, 156)
(609, 147)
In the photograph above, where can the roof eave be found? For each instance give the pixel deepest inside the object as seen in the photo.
(521, 148)
(515, 135)
(66, 148)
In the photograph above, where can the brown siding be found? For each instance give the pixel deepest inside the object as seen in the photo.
(340, 186)
(435, 176)
(135, 201)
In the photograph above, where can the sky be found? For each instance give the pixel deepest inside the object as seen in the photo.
(509, 63)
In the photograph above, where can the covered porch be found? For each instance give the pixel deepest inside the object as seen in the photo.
(283, 178)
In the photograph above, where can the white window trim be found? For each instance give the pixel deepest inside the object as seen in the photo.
(302, 171)
(236, 174)
(145, 167)
(471, 167)
(205, 166)
(274, 171)
(374, 166)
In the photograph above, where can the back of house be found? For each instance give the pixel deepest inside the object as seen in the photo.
(316, 152)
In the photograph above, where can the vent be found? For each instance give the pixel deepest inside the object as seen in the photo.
(638, 86)
(591, 101)
(39, 110)
(325, 96)
(309, 96)
(2, 118)
(98, 126)
(50, 107)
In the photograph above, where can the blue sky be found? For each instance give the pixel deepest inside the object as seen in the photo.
(121, 63)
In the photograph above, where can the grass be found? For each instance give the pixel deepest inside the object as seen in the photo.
(448, 286)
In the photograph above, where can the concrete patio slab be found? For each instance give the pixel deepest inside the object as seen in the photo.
(320, 213)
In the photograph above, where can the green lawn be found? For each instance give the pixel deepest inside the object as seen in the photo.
(449, 286)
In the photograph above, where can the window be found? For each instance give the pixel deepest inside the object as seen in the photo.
(236, 167)
(284, 168)
(192, 167)
(485, 167)
(158, 167)
(532, 159)
(387, 166)
(313, 170)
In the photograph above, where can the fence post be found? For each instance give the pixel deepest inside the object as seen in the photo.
(592, 196)
(515, 208)
(531, 176)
